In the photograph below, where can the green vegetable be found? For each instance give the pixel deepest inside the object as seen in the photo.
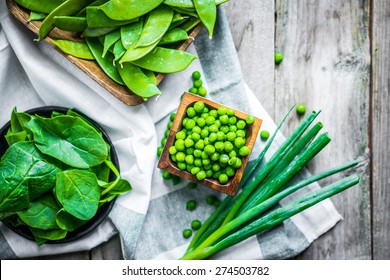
(278, 57)
(191, 185)
(301, 109)
(253, 210)
(264, 134)
(40, 186)
(191, 205)
(76, 49)
(70, 23)
(196, 224)
(187, 233)
(43, 6)
(196, 75)
(207, 12)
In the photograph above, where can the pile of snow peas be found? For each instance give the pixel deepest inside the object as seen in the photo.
(131, 40)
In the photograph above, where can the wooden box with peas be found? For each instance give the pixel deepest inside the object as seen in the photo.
(209, 143)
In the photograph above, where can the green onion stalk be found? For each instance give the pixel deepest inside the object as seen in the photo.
(254, 209)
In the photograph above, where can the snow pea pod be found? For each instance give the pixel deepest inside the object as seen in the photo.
(151, 76)
(36, 16)
(188, 3)
(42, 6)
(133, 53)
(173, 36)
(155, 26)
(137, 81)
(69, 23)
(76, 49)
(106, 62)
(189, 24)
(69, 7)
(97, 18)
(83, 12)
(128, 9)
(131, 32)
(118, 50)
(97, 32)
(207, 11)
(163, 60)
(110, 39)
(190, 11)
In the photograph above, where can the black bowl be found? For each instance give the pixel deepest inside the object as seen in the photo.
(102, 212)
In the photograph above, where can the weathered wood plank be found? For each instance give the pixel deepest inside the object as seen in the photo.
(380, 128)
(252, 26)
(326, 66)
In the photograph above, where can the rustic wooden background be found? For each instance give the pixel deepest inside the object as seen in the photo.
(336, 59)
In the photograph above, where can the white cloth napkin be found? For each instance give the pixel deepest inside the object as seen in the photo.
(151, 217)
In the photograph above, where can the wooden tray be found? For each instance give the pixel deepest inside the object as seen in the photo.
(165, 162)
(91, 68)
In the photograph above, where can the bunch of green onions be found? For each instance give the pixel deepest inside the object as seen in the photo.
(253, 209)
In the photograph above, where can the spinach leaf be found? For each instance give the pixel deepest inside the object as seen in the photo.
(24, 175)
(41, 236)
(42, 213)
(68, 222)
(78, 192)
(121, 187)
(69, 139)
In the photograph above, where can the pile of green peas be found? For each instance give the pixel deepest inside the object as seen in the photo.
(197, 86)
(211, 143)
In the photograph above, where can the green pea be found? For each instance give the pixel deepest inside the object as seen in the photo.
(172, 117)
(180, 135)
(189, 159)
(173, 158)
(189, 167)
(179, 145)
(241, 124)
(204, 133)
(301, 109)
(232, 154)
(166, 175)
(224, 119)
(223, 178)
(216, 167)
(224, 128)
(230, 113)
(244, 151)
(204, 155)
(201, 122)
(224, 158)
(76, 49)
(163, 141)
(192, 185)
(163, 60)
(210, 120)
(198, 162)
(222, 111)
(159, 151)
(180, 156)
(210, 199)
(213, 113)
(190, 151)
(232, 160)
(230, 171)
(201, 175)
(198, 83)
(196, 224)
(195, 170)
(230, 136)
(182, 166)
(191, 205)
(278, 57)
(250, 119)
(209, 150)
(190, 124)
(172, 150)
(233, 128)
(191, 112)
(212, 137)
(238, 164)
(241, 133)
(195, 136)
(232, 120)
(209, 172)
(228, 147)
(128, 9)
(219, 146)
(220, 136)
(193, 90)
(239, 142)
(197, 153)
(199, 106)
(213, 128)
(175, 180)
(187, 233)
(202, 91)
(264, 134)
(206, 162)
(196, 75)
(215, 156)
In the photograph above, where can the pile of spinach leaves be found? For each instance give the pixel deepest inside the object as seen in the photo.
(55, 174)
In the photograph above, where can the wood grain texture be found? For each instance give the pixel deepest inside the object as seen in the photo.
(327, 66)
(380, 129)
